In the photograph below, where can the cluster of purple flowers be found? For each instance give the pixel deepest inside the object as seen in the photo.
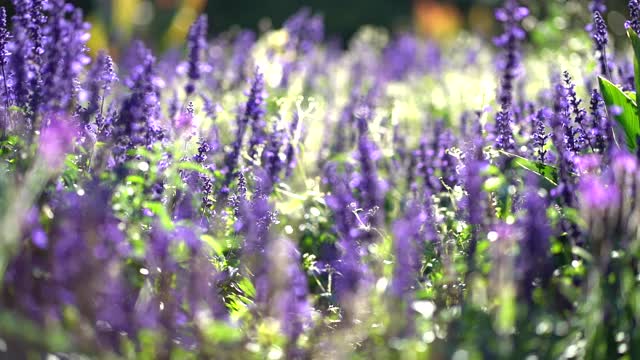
(154, 222)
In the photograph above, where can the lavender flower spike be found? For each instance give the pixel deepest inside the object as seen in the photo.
(598, 30)
(598, 5)
(252, 115)
(197, 43)
(510, 15)
(99, 81)
(634, 16)
(533, 259)
(255, 111)
(4, 55)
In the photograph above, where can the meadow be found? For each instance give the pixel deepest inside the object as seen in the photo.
(280, 195)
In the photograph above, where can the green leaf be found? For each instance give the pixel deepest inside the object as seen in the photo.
(628, 119)
(548, 172)
(493, 183)
(187, 165)
(159, 210)
(631, 95)
(17, 109)
(581, 252)
(635, 43)
(14, 326)
(220, 332)
(247, 287)
(219, 246)
(135, 179)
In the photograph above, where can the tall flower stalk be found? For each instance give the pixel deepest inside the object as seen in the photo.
(510, 42)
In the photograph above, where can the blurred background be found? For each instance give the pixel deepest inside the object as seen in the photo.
(164, 23)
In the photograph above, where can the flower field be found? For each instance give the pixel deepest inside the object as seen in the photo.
(280, 195)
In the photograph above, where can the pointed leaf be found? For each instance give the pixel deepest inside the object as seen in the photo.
(628, 118)
(548, 172)
(635, 43)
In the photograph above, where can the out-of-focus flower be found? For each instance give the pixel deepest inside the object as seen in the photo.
(634, 16)
(597, 193)
(197, 43)
(66, 35)
(436, 19)
(254, 113)
(587, 163)
(598, 31)
(579, 134)
(510, 15)
(136, 123)
(600, 126)
(5, 36)
(598, 5)
(100, 78)
(408, 252)
(540, 136)
(533, 259)
(56, 140)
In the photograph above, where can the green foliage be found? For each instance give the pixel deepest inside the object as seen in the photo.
(628, 117)
(547, 172)
(635, 44)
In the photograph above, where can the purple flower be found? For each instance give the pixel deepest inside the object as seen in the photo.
(136, 124)
(597, 193)
(598, 5)
(400, 57)
(624, 162)
(197, 43)
(203, 149)
(39, 238)
(254, 221)
(504, 132)
(274, 160)
(291, 291)
(351, 273)
(100, 78)
(408, 251)
(26, 55)
(305, 30)
(586, 164)
(563, 140)
(634, 16)
(56, 140)
(5, 36)
(510, 15)
(539, 136)
(66, 35)
(237, 200)
(370, 187)
(254, 113)
(292, 148)
(598, 31)
(75, 263)
(533, 258)
(243, 43)
(579, 135)
(474, 203)
(565, 134)
(600, 125)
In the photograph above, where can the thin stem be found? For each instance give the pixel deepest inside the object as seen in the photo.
(606, 65)
(104, 94)
(6, 98)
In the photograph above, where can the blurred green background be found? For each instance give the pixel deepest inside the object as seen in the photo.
(164, 23)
